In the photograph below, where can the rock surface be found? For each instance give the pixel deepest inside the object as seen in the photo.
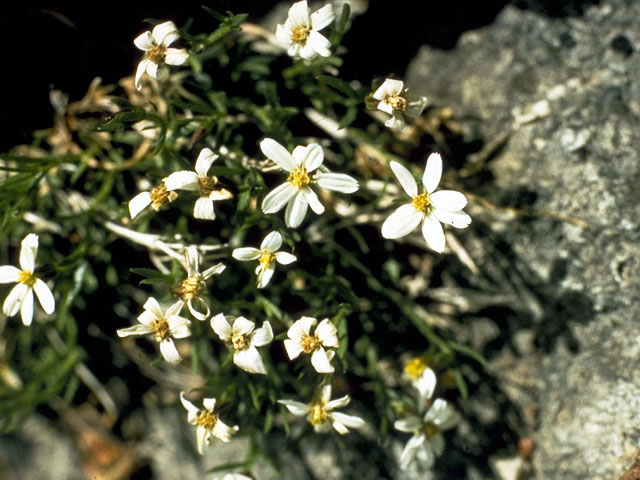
(567, 93)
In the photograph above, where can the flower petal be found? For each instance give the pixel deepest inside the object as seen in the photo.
(263, 335)
(433, 233)
(299, 409)
(174, 309)
(410, 450)
(221, 326)
(327, 333)
(140, 71)
(455, 219)
(300, 327)
(193, 259)
(299, 14)
(223, 432)
(182, 180)
(209, 403)
(246, 254)
(204, 161)
(341, 421)
(389, 87)
(322, 17)
(283, 36)
(442, 415)
(284, 258)
(9, 274)
(426, 384)
(192, 410)
(164, 33)
(271, 242)
(320, 361)
(144, 41)
(415, 108)
(14, 299)
(26, 308)
(296, 210)
(249, 360)
(437, 444)
(319, 44)
(401, 222)
(313, 157)
(313, 201)
(139, 329)
(277, 153)
(278, 197)
(28, 252)
(196, 314)
(432, 172)
(396, 121)
(408, 424)
(45, 297)
(449, 200)
(306, 51)
(338, 182)
(293, 348)
(179, 326)
(385, 107)
(153, 306)
(176, 56)
(243, 326)
(152, 70)
(203, 209)
(139, 203)
(265, 274)
(215, 270)
(169, 352)
(405, 178)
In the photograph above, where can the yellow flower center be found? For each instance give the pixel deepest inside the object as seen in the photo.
(160, 196)
(415, 368)
(318, 414)
(310, 343)
(266, 259)
(189, 288)
(27, 278)
(397, 102)
(239, 341)
(207, 419)
(422, 203)
(156, 53)
(299, 177)
(299, 34)
(430, 430)
(161, 330)
(206, 185)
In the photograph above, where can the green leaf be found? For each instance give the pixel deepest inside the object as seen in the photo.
(349, 117)
(460, 383)
(340, 85)
(152, 276)
(469, 352)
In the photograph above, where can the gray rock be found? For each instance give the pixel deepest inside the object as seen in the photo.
(567, 91)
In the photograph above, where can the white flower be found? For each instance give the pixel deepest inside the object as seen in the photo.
(202, 183)
(191, 288)
(147, 129)
(427, 441)
(155, 45)
(156, 197)
(240, 335)
(21, 296)
(296, 192)
(320, 412)
(421, 377)
(267, 257)
(393, 100)
(163, 326)
(427, 207)
(299, 34)
(208, 423)
(301, 341)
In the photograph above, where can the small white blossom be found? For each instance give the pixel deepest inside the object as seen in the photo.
(163, 326)
(202, 183)
(147, 129)
(301, 341)
(155, 45)
(320, 412)
(427, 441)
(300, 32)
(393, 100)
(429, 207)
(21, 296)
(191, 288)
(296, 192)
(267, 257)
(242, 336)
(421, 377)
(207, 422)
(156, 197)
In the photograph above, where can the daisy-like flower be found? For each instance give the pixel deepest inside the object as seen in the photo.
(163, 326)
(202, 183)
(191, 289)
(427, 441)
(242, 336)
(299, 34)
(296, 192)
(155, 45)
(421, 377)
(267, 257)
(429, 207)
(207, 422)
(156, 197)
(21, 296)
(393, 100)
(320, 412)
(301, 341)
